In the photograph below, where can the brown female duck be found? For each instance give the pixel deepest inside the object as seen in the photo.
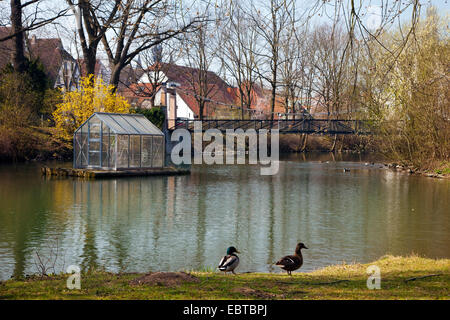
(294, 262)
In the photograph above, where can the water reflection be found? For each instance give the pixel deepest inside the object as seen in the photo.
(183, 223)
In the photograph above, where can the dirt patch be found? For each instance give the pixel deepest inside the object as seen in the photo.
(252, 293)
(297, 292)
(164, 279)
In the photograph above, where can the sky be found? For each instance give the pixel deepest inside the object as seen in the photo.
(67, 26)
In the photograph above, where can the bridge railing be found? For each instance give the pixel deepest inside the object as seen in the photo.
(318, 126)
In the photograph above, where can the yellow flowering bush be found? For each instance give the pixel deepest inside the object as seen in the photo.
(77, 106)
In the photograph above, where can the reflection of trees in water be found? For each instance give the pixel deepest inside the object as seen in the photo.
(173, 223)
(201, 224)
(271, 235)
(30, 205)
(114, 210)
(93, 195)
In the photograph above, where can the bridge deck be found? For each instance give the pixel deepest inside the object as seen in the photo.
(306, 126)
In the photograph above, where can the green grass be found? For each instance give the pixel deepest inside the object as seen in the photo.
(441, 168)
(444, 170)
(335, 282)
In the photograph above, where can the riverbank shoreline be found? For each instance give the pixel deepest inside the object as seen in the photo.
(32, 145)
(412, 170)
(410, 277)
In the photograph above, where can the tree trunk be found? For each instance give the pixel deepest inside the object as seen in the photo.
(201, 106)
(305, 143)
(242, 105)
(341, 147)
(333, 148)
(152, 101)
(18, 55)
(90, 60)
(272, 100)
(115, 76)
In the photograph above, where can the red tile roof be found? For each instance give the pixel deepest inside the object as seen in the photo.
(50, 53)
(188, 87)
(83, 71)
(6, 47)
(222, 95)
(137, 93)
(260, 102)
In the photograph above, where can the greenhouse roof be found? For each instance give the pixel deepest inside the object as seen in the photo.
(127, 124)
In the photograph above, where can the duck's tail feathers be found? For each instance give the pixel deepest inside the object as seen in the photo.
(279, 265)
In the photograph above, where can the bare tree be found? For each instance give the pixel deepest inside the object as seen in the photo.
(21, 22)
(50, 263)
(238, 52)
(151, 69)
(143, 24)
(305, 63)
(290, 68)
(333, 71)
(199, 55)
(269, 23)
(94, 20)
(34, 18)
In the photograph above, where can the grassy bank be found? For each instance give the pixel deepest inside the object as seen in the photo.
(401, 278)
(435, 169)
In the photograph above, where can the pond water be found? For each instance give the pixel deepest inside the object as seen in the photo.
(187, 222)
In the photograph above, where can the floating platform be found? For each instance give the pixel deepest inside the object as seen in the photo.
(95, 174)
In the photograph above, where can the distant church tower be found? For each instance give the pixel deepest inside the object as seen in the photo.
(157, 50)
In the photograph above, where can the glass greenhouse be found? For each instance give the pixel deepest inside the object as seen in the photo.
(111, 141)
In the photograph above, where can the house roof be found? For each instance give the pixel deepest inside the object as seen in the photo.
(137, 93)
(188, 86)
(50, 53)
(127, 77)
(260, 100)
(98, 68)
(221, 92)
(6, 47)
(222, 95)
(126, 124)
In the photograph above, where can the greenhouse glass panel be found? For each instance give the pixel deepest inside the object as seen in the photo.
(146, 155)
(158, 152)
(77, 147)
(84, 147)
(105, 154)
(110, 141)
(112, 151)
(135, 151)
(123, 145)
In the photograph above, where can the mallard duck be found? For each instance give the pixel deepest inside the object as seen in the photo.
(292, 263)
(230, 261)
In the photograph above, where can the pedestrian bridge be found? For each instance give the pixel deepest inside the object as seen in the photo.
(301, 126)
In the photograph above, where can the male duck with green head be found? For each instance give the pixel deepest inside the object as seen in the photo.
(230, 261)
